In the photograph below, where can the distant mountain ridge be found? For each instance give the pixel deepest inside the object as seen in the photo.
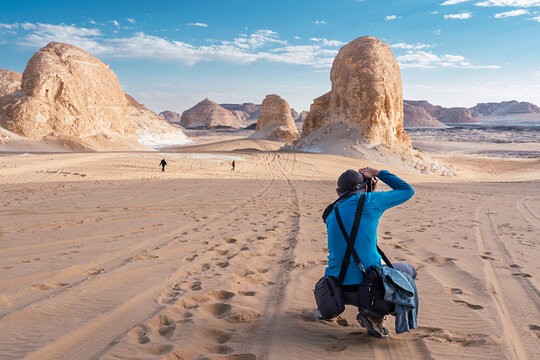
(421, 113)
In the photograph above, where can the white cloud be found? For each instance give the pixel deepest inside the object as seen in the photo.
(327, 42)
(390, 17)
(536, 18)
(42, 34)
(131, 21)
(319, 22)
(461, 16)
(437, 32)
(417, 46)
(511, 13)
(453, 2)
(9, 26)
(262, 45)
(509, 3)
(423, 59)
(198, 24)
(297, 37)
(115, 23)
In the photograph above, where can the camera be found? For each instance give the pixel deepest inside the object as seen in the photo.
(371, 183)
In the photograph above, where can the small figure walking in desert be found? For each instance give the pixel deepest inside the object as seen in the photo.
(163, 163)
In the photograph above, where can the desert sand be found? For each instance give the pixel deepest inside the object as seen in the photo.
(103, 256)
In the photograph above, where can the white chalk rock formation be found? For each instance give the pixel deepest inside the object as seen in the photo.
(151, 129)
(366, 94)
(208, 114)
(72, 96)
(275, 121)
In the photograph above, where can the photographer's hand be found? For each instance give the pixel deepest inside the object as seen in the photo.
(369, 172)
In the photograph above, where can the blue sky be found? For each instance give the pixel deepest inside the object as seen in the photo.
(170, 55)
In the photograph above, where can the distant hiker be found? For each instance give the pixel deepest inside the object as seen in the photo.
(351, 223)
(233, 165)
(163, 163)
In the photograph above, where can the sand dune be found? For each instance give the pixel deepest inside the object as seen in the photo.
(104, 256)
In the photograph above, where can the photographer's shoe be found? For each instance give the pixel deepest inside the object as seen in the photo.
(374, 328)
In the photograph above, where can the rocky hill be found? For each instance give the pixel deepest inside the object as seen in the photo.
(207, 114)
(10, 81)
(275, 121)
(504, 108)
(72, 98)
(170, 116)
(250, 110)
(415, 114)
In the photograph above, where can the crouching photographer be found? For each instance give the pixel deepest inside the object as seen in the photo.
(354, 275)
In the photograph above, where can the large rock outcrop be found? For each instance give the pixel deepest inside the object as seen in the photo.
(69, 94)
(151, 129)
(208, 114)
(318, 114)
(366, 94)
(10, 81)
(275, 121)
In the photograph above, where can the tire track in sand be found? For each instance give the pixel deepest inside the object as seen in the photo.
(500, 285)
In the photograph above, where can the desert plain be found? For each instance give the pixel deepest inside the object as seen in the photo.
(103, 256)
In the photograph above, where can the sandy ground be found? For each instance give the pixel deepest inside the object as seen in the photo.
(103, 256)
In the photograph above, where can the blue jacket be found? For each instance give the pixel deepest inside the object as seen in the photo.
(366, 240)
(400, 289)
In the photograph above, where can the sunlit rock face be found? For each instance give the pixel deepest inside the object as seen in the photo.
(366, 94)
(275, 121)
(66, 91)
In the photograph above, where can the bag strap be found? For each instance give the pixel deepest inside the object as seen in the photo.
(384, 257)
(350, 239)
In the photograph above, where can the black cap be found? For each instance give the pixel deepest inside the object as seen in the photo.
(348, 181)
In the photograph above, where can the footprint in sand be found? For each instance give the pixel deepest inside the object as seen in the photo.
(144, 257)
(469, 305)
(219, 336)
(243, 316)
(439, 260)
(164, 325)
(139, 335)
(221, 295)
(220, 349)
(167, 297)
(453, 291)
(196, 285)
(93, 271)
(336, 347)
(535, 329)
(522, 274)
(157, 349)
(49, 286)
(217, 310)
(247, 293)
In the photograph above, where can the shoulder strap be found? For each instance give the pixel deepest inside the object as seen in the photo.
(329, 209)
(350, 239)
